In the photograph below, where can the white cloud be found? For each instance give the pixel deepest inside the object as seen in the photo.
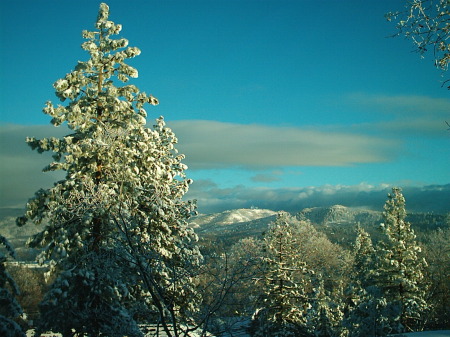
(212, 144)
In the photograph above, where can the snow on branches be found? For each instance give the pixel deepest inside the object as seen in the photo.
(116, 225)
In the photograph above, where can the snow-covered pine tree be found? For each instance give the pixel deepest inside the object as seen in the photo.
(364, 253)
(437, 252)
(285, 286)
(116, 232)
(362, 268)
(399, 268)
(324, 315)
(10, 309)
(366, 313)
(371, 315)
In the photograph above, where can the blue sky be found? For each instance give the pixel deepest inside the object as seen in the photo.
(274, 102)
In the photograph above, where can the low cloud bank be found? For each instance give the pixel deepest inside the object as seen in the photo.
(211, 198)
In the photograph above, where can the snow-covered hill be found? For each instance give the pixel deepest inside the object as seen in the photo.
(339, 214)
(234, 224)
(231, 217)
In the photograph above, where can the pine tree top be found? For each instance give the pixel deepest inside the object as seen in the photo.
(90, 88)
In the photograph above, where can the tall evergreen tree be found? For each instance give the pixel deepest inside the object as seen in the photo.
(399, 268)
(116, 233)
(285, 299)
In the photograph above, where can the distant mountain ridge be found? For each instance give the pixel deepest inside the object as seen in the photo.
(243, 222)
(336, 214)
(239, 223)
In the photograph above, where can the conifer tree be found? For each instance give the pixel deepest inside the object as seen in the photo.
(10, 309)
(116, 232)
(399, 268)
(324, 315)
(367, 312)
(371, 315)
(364, 258)
(362, 271)
(285, 299)
(437, 252)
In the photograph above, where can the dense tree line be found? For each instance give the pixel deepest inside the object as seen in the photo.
(309, 286)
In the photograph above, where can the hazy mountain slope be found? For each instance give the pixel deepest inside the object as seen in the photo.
(12, 232)
(18, 236)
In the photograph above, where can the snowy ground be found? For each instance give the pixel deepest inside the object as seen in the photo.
(30, 333)
(150, 332)
(440, 333)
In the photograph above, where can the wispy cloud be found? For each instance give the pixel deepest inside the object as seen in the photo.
(212, 144)
(267, 177)
(406, 114)
(403, 104)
